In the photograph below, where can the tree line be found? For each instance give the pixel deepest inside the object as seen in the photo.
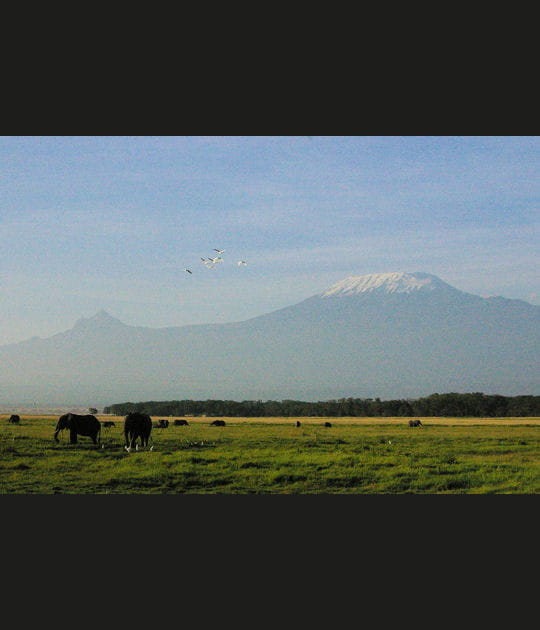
(451, 404)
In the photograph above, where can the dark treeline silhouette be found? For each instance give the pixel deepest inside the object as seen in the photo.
(452, 404)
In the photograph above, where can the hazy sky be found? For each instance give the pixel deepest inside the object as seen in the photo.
(90, 223)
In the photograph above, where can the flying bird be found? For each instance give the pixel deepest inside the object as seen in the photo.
(219, 251)
(188, 271)
(242, 262)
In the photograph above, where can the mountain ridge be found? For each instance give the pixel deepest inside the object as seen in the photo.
(408, 339)
(351, 286)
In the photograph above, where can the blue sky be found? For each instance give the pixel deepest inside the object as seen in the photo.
(90, 223)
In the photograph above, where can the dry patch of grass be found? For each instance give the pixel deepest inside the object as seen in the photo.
(314, 421)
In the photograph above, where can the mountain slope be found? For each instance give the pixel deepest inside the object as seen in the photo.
(391, 335)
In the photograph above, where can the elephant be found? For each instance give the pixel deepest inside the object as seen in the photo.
(107, 424)
(162, 423)
(181, 423)
(415, 423)
(137, 425)
(88, 425)
(218, 423)
(14, 418)
(327, 424)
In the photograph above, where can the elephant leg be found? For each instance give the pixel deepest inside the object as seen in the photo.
(73, 436)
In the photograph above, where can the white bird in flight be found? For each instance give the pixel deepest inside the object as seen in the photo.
(212, 261)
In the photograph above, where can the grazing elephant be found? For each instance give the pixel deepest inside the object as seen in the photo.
(107, 424)
(162, 423)
(218, 423)
(181, 423)
(15, 419)
(137, 425)
(327, 424)
(298, 423)
(88, 425)
(415, 423)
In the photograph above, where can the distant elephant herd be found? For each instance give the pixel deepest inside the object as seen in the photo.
(137, 426)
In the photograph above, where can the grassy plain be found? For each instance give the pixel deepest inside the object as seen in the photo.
(273, 456)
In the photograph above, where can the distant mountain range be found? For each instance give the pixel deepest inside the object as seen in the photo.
(389, 335)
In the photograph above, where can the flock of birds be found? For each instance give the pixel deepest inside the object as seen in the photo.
(212, 261)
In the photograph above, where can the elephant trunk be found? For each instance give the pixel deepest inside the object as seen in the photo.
(63, 423)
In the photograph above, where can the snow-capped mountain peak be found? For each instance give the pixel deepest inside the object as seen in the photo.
(392, 282)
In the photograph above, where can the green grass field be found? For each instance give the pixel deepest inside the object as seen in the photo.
(273, 456)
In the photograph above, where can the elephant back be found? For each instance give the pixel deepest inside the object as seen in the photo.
(138, 422)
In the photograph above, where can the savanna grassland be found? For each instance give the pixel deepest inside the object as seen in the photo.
(273, 456)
